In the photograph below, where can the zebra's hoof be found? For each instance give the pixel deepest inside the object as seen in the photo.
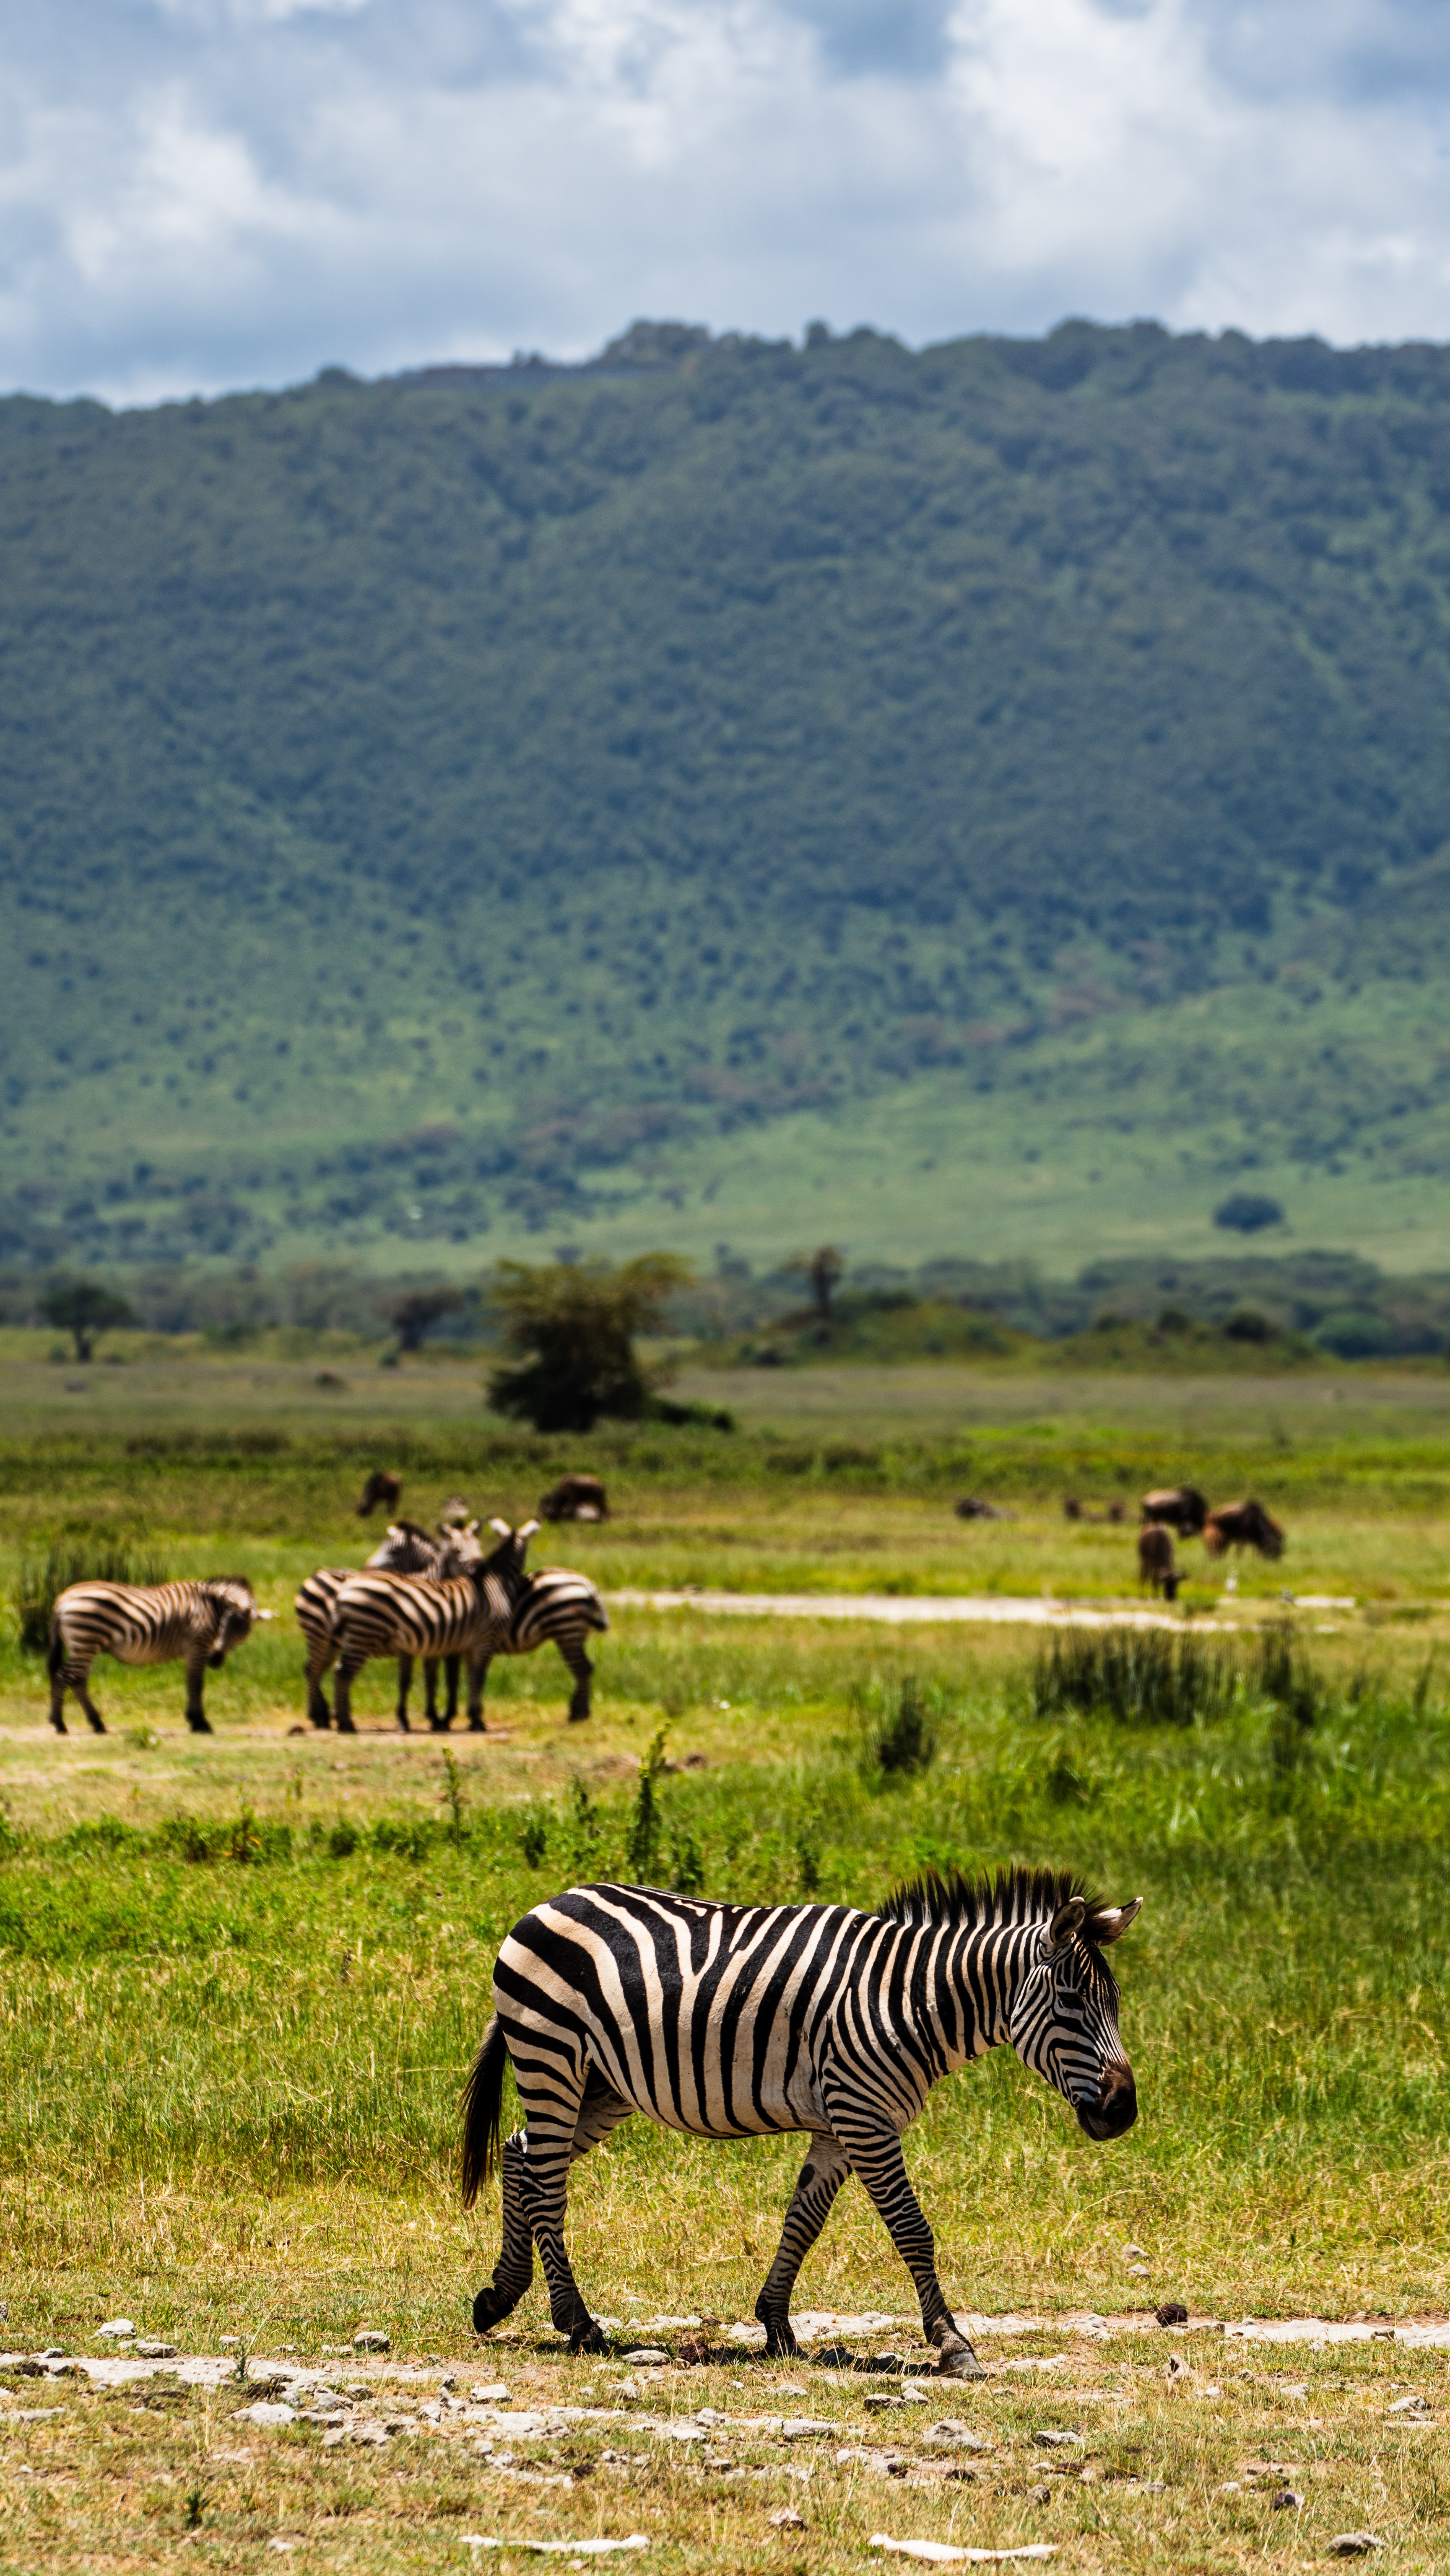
(588, 2337)
(958, 2361)
(487, 2310)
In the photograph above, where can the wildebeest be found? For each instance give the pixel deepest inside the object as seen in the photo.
(1242, 1525)
(970, 1507)
(1178, 1507)
(1156, 1568)
(575, 1498)
(1074, 1509)
(381, 1488)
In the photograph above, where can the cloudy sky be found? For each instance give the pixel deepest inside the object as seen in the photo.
(196, 194)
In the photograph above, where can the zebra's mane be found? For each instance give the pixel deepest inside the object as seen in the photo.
(1013, 1896)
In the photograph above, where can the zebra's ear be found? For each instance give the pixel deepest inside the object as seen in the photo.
(526, 1529)
(500, 1527)
(1066, 1923)
(1111, 1921)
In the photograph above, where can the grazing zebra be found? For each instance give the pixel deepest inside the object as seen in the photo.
(729, 2021)
(146, 1623)
(406, 1549)
(550, 1606)
(411, 1615)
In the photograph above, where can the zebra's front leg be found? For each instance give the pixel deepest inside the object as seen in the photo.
(196, 1716)
(477, 1675)
(452, 1667)
(317, 1708)
(821, 2177)
(878, 2159)
(405, 1684)
(572, 1650)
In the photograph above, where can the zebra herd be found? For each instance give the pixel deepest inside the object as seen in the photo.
(423, 1597)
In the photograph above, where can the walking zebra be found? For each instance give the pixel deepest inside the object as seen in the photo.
(150, 1623)
(410, 1615)
(729, 2021)
(552, 1606)
(406, 1549)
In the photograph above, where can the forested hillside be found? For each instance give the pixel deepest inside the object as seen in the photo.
(482, 802)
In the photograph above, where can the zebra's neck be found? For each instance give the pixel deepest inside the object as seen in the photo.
(964, 1984)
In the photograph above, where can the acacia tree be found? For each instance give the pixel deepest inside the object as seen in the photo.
(412, 1316)
(569, 1328)
(83, 1308)
(824, 1270)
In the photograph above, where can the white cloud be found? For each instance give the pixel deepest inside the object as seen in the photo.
(200, 193)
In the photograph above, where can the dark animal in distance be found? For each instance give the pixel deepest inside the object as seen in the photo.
(969, 1507)
(1156, 1568)
(1073, 1509)
(406, 1549)
(1242, 1525)
(380, 1488)
(1178, 1507)
(147, 1623)
(729, 2021)
(575, 1498)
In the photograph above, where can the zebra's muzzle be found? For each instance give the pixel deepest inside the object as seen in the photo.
(1116, 2107)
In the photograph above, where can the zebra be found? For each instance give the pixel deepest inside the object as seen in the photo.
(552, 1605)
(383, 1613)
(728, 2021)
(406, 1549)
(147, 1623)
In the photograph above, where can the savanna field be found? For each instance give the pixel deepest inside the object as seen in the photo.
(244, 1976)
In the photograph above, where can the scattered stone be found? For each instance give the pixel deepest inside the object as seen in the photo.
(1287, 2500)
(494, 2393)
(268, 2411)
(646, 2356)
(1039, 2495)
(1049, 2440)
(149, 2351)
(1172, 2313)
(117, 2326)
(1414, 2404)
(940, 2553)
(805, 2428)
(786, 2518)
(1135, 2254)
(626, 2388)
(878, 2399)
(952, 2429)
(1231, 2486)
(1354, 2544)
(370, 2341)
(282, 2541)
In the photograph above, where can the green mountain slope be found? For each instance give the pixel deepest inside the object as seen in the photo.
(575, 799)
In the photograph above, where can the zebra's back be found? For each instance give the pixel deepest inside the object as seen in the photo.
(554, 1603)
(708, 2018)
(149, 1623)
(408, 1614)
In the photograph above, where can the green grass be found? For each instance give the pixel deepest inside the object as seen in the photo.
(244, 1976)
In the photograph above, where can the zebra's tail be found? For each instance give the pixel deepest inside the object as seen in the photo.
(483, 2112)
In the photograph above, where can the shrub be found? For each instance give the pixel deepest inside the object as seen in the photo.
(96, 1555)
(570, 1327)
(1245, 1212)
(904, 1742)
(1142, 1677)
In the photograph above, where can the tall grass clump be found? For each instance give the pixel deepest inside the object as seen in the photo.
(903, 1742)
(1142, 1678)
(95, 1555)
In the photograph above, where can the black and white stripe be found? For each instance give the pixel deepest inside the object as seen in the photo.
(728, 2021)
(405, 1549)
(552, 1607)
(150, 1623)
(420, 1617)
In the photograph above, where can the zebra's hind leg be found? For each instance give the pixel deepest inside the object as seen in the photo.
(477, 1676)
(572, 1650)
(347, 1671)
(821, 2177)
(405, 1684)
(514, 2269)
(876, 2156)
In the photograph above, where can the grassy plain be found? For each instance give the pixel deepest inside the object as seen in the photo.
(244, 1976)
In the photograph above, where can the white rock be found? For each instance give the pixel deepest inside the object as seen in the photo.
(117, 2326)
(268, 2411)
